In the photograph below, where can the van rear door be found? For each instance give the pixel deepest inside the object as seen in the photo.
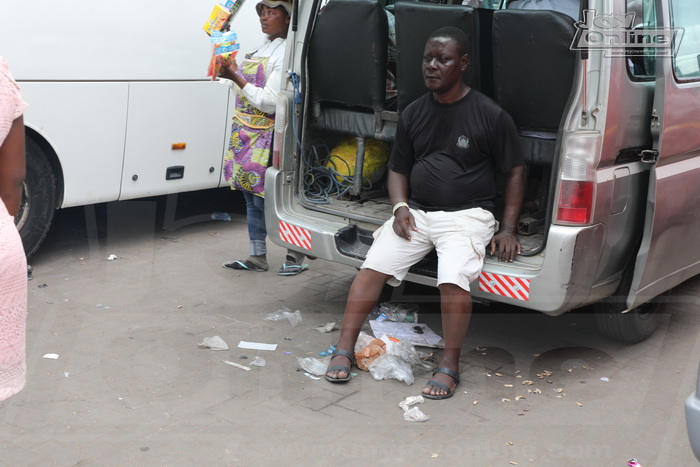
(669, 253)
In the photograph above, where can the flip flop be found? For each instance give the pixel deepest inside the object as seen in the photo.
(344, 368)
(292, 269)
(243, 265)
(437, 384)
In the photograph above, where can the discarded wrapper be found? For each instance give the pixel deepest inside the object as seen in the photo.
(258, 361)
(314, 365)
(285, 313)
(411, 400)
(237, 365)
(214, 343)
(415, 415)
(325, 328)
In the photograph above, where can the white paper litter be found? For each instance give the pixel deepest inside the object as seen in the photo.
(411, 400)
(413, 414)
(405, 332)
(112, 257)
(214, 343)
(51, 356)
(325, 328)
(256, 346)
(237, 365)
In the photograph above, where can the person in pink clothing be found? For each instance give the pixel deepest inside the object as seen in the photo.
(13, 263)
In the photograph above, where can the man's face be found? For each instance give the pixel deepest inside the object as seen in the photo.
(442, 64)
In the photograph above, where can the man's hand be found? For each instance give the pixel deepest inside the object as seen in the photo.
(508, 245)
(404, 223)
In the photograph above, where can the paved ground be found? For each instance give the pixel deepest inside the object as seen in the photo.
(132, 387)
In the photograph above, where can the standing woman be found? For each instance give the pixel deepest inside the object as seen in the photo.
(258, 78)
(13, 263)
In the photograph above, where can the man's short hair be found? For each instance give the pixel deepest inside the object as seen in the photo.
(454, 34)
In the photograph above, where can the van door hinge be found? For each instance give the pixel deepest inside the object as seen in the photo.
(650, 156)
(654, 119)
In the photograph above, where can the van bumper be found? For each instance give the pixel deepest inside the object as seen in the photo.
(562, 277)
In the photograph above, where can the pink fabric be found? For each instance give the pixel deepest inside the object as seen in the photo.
(13, 264)
(11, 104)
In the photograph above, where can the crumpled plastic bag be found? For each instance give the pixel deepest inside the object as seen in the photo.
(214, 343)
(363, 340)
(396, 362)
(313, 365)
(397, 312)
(285, 313)
(390, 366)
(413, 414)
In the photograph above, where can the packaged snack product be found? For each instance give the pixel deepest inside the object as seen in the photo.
(224, 50)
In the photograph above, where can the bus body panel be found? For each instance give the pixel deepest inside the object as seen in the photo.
(165, 114)
(88, 139)
(84, 40)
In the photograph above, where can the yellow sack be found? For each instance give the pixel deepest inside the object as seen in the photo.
(343, 158)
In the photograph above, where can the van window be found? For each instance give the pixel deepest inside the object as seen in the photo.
(642, 63)
(685, 14)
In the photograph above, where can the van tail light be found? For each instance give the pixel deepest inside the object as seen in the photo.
(575, 202)
(275, 150)
(577, 186)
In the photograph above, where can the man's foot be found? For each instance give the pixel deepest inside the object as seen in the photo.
(443, 384)
(340, 372)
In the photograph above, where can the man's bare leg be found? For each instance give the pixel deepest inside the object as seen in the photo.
(363, 296)
(456, 309)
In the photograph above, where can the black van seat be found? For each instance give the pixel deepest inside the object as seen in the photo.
(414, 24)
(347, 67)
(534, 70)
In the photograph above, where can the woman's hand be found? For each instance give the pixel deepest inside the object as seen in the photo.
(227, 68)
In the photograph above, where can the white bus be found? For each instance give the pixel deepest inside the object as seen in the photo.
(120, 106)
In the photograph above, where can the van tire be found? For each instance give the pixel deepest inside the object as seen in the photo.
(38, 199)
(634, 326)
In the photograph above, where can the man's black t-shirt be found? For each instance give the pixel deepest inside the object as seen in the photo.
(452, 151)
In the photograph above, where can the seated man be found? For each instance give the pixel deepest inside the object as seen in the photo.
(449, 144)
(568, 7)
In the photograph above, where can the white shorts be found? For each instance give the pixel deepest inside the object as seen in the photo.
(460, 239)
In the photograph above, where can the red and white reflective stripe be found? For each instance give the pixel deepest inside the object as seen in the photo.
(295, 235)
(505, 286)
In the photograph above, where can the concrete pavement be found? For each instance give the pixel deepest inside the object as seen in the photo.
(132, 387)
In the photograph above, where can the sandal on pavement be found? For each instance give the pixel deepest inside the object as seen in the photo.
(291, 268)
(246, 265)
(437, 384)
(345, 368)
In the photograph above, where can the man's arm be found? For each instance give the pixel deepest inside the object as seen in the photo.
(506, 239)
(404, 223)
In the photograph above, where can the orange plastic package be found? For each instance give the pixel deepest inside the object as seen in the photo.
(225, 48)
(365, 356)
